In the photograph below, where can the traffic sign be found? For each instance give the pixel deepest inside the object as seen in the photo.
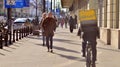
(16, 3)
(10, 2)
(26, 3)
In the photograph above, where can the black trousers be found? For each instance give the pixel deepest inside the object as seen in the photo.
(49, 42)
(94, 50)
(71, 29)
(43, 37)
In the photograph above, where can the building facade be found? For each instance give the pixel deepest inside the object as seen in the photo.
(108, 14)
(1, 8)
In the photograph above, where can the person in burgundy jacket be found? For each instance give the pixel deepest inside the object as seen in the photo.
(49, 26)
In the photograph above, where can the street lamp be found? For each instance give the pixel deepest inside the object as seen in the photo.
(44, 3)
(9, 20)
(36, 18)
(36, 7)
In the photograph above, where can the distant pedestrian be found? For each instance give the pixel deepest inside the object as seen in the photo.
(62, 22)
(49, 26)
(43, 18)
(66, 21)
(76, 23)
(71, 24)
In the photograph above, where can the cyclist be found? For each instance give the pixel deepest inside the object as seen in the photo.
(90, 32)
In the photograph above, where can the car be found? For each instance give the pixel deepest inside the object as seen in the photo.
(31, 19)
(21, 22)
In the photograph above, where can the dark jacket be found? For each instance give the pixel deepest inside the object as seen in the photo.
(49, 26)
(89, 35)
(71, 21)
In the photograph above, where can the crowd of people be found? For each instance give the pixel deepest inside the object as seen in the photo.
(49, 23)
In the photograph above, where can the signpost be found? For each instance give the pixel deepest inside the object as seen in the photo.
(16, 3)
(10, 2)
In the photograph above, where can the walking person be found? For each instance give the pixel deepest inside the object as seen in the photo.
(71, 24)
(76, 24)
(43, 18)
(66, 21)
(49, 26)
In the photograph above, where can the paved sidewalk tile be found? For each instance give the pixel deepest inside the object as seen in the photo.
(29, 52)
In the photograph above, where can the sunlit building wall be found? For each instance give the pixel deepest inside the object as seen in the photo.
(108, 18)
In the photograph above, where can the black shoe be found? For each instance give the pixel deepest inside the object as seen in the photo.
(51, 51)
(83, 55)
(43, 44)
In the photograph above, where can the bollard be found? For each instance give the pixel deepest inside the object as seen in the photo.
(13, 35)
(6, 39)
(25, 31)
(16, 34)
(1, 42)
(22, 31)
(10, 37)
(19, 33)
(30, 30)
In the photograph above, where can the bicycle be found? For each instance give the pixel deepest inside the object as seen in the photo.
(89, 61)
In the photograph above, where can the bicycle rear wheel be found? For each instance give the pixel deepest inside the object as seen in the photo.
(88, 56)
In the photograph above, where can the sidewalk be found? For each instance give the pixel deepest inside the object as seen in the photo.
(29, 52)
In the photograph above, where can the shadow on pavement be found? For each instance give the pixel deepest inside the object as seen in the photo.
(2, 54)
(16, 45)
(115, 50)
(71, 57)
(6, 50)
(64, 49)
(65, 41)
(39, 44)
(58, 40)
(39, 38)
(12, 47)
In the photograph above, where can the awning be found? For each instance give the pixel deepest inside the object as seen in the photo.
(66, 3)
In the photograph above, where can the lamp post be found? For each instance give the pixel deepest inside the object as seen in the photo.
(51, 5)
(37, 21)
(9, 20)
(36, 7)
(44, 6)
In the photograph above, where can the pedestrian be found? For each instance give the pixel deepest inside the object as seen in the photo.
(42, 19)
(62, 22)
(71, 24)
(66, 21)
(76, 24)
(89, 34)
(49, 26)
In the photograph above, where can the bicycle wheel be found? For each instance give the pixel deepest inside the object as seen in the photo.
(88, 56)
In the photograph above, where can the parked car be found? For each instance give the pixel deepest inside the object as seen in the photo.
(21, 22)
